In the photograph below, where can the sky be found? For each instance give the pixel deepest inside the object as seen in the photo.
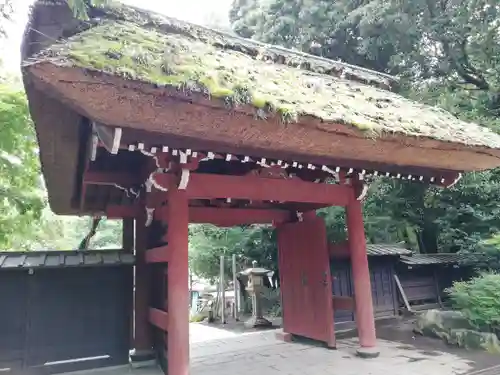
(196, 11)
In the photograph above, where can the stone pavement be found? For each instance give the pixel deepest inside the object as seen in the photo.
(262, 354)
(217, 351)
(224, 351)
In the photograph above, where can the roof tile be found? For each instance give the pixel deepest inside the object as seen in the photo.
(51, 259)
(386, 249)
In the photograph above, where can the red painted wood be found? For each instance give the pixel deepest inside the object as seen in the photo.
(210, 186)
(343, 303)
(178, 283)
(211, 215)
(142, 332)
(236, 216)
(158, 318)
(157, 255)
(306, 287)
(361, 275)
(339, 250)
(442, 179)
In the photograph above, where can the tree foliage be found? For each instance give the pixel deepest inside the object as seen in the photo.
(208, 243)
(446, 53)
(479, 300)
(79, 7)
(21, 197)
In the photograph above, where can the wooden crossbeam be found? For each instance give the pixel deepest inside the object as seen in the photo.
(339, 250)
(211, 215)
(158, 318)
(343, 303)
(157, 255)
(110, 178)
(211, 186)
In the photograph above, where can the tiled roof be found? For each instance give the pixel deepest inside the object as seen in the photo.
(383, 249)
(441, 258)
(51, 259)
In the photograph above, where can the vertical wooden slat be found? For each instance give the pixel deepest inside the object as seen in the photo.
(142, 332)
(128, 235)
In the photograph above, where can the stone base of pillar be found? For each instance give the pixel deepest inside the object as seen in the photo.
(367, 352)
(283, 336)
(258, 322)
(142, 358)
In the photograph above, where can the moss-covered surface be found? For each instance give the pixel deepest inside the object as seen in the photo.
(136, 45)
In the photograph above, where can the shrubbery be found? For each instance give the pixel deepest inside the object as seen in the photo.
(479, 300)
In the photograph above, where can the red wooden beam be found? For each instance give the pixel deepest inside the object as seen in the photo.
(158, 318)
(212, 215)
(236, 216)
(209, 186)
(157, 255)
(339, 250)
(343, 303)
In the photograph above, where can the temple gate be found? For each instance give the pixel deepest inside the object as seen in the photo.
(143, 117)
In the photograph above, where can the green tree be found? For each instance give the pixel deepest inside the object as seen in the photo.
(79, 7)
(207, 243)
(21, 194)
(447, 54)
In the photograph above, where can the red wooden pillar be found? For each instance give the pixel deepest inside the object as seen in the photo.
(178, 283)
(142, 333)
(365, 320)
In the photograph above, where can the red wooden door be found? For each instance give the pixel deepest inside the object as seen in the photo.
(306, 289)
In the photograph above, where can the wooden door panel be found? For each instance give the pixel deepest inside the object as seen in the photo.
(306, 280)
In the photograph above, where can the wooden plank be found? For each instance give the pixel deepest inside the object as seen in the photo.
(438, 291)
(211, 215)
(237, 216)
(339, 250)
(157, 255)
(343, 303)
(158, 318)
(211, 186)
(417, 281)
(402, 292)
(426, 306)
(110, 178)
(128, 232)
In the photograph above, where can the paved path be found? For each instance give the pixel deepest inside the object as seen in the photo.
(262, 354)
(216, 351)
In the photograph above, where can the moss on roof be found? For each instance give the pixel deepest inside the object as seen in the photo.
(137, 45)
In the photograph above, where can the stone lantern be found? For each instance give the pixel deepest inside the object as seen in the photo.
(254, 287)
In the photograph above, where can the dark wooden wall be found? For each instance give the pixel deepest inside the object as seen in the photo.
(382, 282)
(51, 317)
(424, 285)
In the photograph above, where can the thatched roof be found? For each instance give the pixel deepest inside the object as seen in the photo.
(138, 46)
(118, 66)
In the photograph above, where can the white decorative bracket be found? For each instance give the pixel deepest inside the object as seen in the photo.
(183, 183)
(149, 216)
(117, 137)
(263, 163)
(300, 216)
(455, 181)
(109, 136)
(149, 184)
(93, 145)
(363, 192)
(129, 191)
